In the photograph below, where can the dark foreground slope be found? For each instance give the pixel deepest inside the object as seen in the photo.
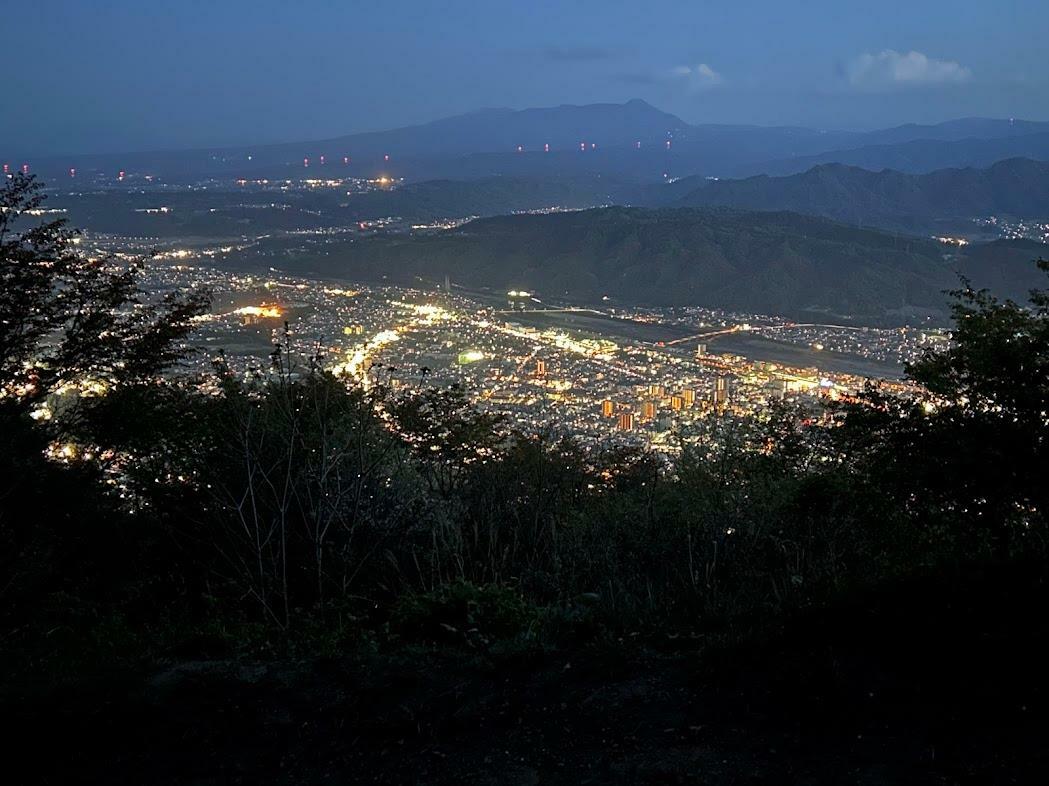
(930, 682)
(780, 263)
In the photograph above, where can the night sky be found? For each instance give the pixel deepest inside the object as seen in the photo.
(102, 75)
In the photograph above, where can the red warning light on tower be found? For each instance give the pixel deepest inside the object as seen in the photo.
(322, 160)
(25, 169)
(120, 175)
(306, 162)
(7, 168)
(72, 171)
(546, 148)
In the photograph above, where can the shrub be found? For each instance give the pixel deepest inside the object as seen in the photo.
(461, 613)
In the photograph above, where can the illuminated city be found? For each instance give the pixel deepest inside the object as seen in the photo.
(501, 393)
(555, 377)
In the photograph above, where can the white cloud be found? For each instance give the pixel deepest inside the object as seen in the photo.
(890, 68)
(699, 76)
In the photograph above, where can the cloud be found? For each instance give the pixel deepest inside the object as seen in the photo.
(890, 68)
(699, 77)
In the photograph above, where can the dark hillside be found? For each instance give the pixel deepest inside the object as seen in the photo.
(1018, 187)
(776, 262)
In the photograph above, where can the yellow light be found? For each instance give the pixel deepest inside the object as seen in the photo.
(268, 312)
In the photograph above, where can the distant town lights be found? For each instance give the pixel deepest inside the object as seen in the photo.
(263, 311)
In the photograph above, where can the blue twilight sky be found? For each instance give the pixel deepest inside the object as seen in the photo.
(114, 75)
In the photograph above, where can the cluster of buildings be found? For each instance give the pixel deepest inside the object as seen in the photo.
(890, 346)
(597, 389)
(656, 407)
(1015, 229)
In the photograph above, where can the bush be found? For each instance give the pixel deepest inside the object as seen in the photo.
(463, 614)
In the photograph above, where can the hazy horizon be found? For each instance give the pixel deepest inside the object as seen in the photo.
(119, 76)
(235, 143)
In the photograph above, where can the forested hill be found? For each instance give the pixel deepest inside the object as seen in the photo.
(436, 199)
(922, 154)
(781, 263)
(1016, 187)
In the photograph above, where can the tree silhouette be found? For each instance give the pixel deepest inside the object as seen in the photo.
(68, 315)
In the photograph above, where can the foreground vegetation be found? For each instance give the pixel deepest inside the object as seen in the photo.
(287, 505)
(143, 521)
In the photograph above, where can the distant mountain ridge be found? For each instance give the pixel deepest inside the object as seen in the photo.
(887, 198)
(502, 130)
(777, 263)
(955, 130)
(482, 132)
(632, 140)
(923, 155)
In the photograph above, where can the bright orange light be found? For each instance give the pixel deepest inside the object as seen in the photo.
(264, 311)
